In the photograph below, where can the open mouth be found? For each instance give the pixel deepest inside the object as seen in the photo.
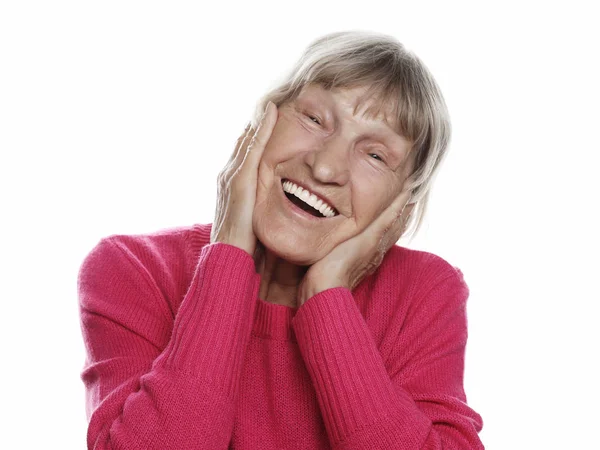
(307, 201)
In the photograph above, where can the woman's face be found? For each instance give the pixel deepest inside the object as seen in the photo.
(326, 142)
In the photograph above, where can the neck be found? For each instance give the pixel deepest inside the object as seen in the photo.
(280, 279)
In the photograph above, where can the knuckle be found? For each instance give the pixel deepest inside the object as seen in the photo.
(236, 175)
(246, 141)
(259, 137)
(255, 142)
(223, 178)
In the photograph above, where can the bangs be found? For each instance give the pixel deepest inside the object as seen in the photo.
(398, 87)
(392, 91)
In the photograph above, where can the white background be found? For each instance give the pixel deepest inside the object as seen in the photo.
(116, 116)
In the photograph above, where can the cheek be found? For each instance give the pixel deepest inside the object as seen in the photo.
(371, 195)
(287, 141)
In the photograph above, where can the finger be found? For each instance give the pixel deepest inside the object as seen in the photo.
(242, 138)
(241, 145)
(392, 215)
(392, 234)
(234, 160)
(261, 137)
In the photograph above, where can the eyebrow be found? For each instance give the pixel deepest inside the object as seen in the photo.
(402, 155)
(372, 111)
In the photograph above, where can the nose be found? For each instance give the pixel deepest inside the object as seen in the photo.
(329, 163)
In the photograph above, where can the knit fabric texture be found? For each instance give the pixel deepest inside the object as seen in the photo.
(183, 354)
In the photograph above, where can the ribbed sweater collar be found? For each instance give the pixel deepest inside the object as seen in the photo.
(271, 321)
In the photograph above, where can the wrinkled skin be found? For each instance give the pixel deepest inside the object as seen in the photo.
(326, 141)
(235, 201)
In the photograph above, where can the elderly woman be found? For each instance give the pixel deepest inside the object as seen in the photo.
(293, 321)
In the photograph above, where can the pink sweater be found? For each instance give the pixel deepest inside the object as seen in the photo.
(182, 354)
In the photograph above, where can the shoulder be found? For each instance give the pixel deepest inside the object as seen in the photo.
(412, 263)
(165, 243)
(163, 246)
(415, 279)
(162, 243)
(414, 296)
(159, 262)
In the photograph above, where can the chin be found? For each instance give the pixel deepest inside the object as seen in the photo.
(289, 247)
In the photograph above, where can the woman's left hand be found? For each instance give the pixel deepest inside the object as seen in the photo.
(349, 262)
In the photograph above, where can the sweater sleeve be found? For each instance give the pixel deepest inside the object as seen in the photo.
(415, 401)
(154, 381)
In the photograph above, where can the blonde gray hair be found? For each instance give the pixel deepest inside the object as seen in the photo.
(393, 75)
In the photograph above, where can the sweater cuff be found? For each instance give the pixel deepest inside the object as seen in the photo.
(353, 387)
(214, 321)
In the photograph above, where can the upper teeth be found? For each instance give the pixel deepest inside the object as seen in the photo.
(309, 198)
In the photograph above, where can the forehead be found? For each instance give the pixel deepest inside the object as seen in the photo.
(359, 101)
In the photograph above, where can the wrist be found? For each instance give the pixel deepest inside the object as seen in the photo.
(310, 288)
(236, 240)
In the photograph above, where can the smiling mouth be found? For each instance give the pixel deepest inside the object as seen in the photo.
(307, 201)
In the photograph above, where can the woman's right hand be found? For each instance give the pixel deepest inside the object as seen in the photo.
(237, 182)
